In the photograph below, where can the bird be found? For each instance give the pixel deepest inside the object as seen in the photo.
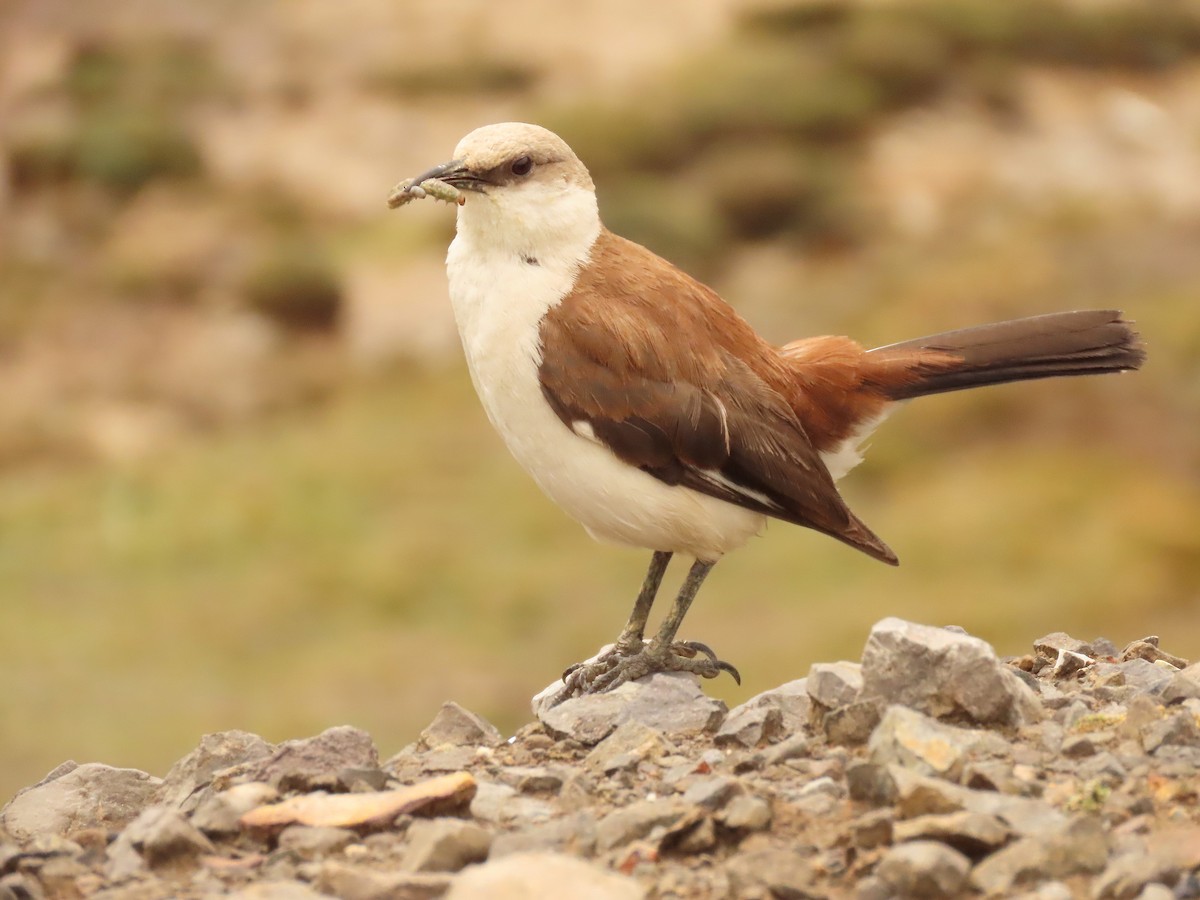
(652, 413)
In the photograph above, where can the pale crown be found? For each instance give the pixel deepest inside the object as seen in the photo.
(530, 194)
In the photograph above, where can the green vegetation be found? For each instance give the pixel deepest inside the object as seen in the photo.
(127, 126)
(1091, 797)
(125, 149)
(778, 116)
(300, 574)
(1147, 35)
(364, 559)
(471, 76)
(1097, 722)
(294, 286)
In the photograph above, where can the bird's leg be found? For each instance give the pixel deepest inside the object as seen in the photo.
(635, 628)
(687, 593)
(633, 658)
(631, 637)
(663, 653)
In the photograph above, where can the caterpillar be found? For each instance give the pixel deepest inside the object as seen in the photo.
(406, 192)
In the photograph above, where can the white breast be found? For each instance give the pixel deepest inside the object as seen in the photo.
(499, 300)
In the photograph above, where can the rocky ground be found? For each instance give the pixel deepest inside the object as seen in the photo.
(930, 769)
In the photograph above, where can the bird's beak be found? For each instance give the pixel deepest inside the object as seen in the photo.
(454, 172)
(443, 182)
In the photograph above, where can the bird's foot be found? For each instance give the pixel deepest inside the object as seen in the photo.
(629, 662)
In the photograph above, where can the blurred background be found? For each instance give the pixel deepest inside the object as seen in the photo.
(245, 483)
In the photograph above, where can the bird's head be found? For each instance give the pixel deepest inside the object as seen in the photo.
(525, 190)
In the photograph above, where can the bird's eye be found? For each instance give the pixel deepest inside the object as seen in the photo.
(522, 165)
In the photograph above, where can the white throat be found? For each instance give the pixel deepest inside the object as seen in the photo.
(509, 265)
(516, 255)
(553, 223)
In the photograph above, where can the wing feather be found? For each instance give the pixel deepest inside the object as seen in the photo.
(707, 418)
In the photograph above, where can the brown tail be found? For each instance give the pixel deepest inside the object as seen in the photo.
(1085, 342)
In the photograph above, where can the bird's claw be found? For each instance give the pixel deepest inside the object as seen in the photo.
(621, 664)
(708, 651)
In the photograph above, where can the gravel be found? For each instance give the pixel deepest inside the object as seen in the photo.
(931, 768)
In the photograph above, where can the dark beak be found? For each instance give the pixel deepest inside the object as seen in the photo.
(455, 173)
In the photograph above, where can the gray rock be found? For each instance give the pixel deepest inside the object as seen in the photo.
(694, 833)
(870, 783)
(824, 786)
(276, 890)
(351, 882)
(671, 702)
(75, 797)
(766, 716)
(1180, 688)
(447, 759)
(1156, 892)
(852, 724)
(924, 869)
(1103, 765)
(872, 888)
(918, 795)
(1192, 672)
(1070, 713)
(751, 726)
(916, 741)
(445, 845)
(1060, 656)
(183, 783)
(363, 780)
(637, 820)
(123, 862)
(218, 813)
(1148, 649)
(1126, 876)
(536, 779)
(574, 834)
(834, 684)
(1051, 890)
(872, 829)
(795, 747)
(309, 764)
(1140, 712)
(746, 813)
(786, 874)
(1048, 735)
(1080, 846)
(158, 836)
(793, 702)
(973, 834)
(941, 673)
(458, 727)
(711, 792)
(1048, 647)
(41, 852)
(500, 803)
(1139, 675)
(1179, 729)
(58, 875)
(629, 744)
(18, 886)
(542, 876)
(992, 775)
(310, 842)
(1078, 746)
(577, 792)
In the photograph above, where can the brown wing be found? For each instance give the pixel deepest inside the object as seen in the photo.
(701, 416)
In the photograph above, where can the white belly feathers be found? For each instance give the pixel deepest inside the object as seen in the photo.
(499, 302)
